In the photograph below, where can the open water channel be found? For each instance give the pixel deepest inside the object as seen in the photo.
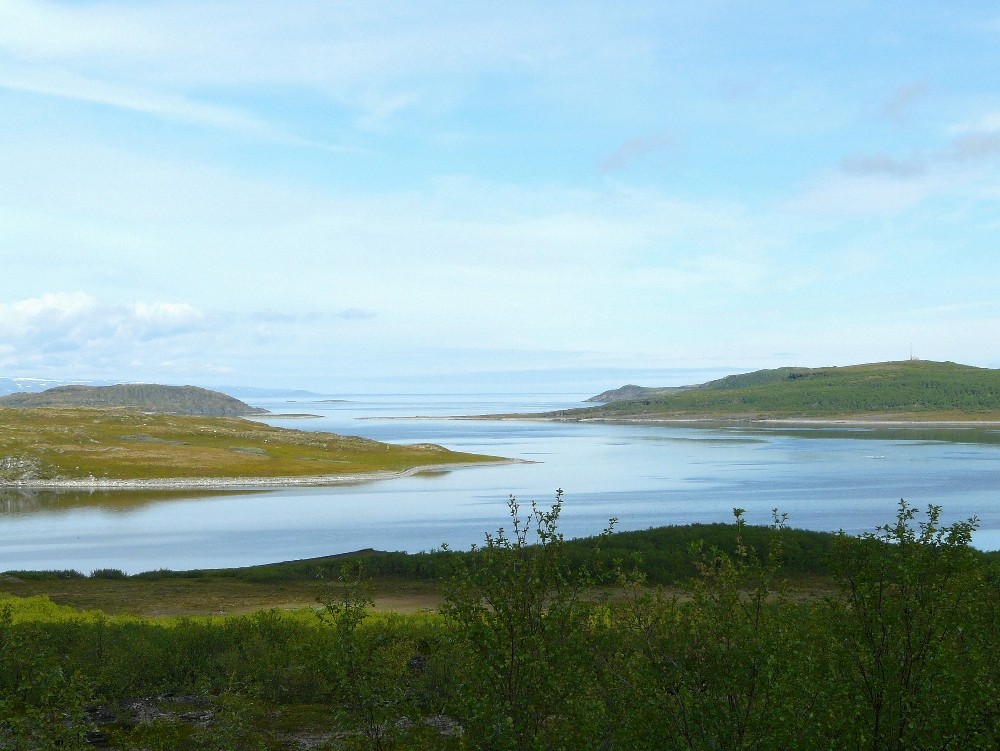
(848, 478)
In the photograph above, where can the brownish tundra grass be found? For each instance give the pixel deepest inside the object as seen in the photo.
(45, 444)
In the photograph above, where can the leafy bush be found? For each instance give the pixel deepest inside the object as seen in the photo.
(108, 573)
(521, 619)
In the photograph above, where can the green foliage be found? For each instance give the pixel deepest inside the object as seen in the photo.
(711, 670)
(521, 618)
(369, 665)
(41, 703)
(534, 650)
(915, 637)
(107, 573)
(660, 554)
(51, 574)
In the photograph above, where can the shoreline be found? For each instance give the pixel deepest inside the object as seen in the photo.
(732, 421)
(237, 483)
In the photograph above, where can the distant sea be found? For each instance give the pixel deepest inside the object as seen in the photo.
(823, 478)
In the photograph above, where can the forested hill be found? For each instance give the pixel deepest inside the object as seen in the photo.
(146, 397)
(915, 389)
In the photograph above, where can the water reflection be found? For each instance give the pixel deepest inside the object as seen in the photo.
(916, 433)
(16, 502)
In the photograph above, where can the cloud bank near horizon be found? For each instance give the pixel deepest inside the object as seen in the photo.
(313, 193)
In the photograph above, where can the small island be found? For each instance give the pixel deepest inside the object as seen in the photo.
(890, 392)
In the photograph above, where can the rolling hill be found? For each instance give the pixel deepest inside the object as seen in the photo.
(143, 397)
(910, 389)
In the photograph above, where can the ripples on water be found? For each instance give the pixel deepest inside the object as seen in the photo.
(847, 478)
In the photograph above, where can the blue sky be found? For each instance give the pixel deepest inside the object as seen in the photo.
(351, 196)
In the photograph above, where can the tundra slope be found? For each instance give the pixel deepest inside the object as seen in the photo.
(911, 390)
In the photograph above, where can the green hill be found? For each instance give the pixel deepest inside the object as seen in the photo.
(911, 389)
(144, 397)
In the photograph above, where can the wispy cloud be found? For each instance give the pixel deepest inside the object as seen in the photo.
(633, 150)
(977, 146)
(57, 83)
(846, 193)
(870, 184)
(881, 164)
(373, 61)
(897, 107)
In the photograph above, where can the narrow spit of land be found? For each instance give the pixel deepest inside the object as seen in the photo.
(81, 448)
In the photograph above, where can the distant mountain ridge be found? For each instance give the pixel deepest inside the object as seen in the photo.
(145, 397)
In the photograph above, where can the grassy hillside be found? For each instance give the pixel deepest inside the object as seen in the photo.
(145, 397)
(909, 389)
(39, 444)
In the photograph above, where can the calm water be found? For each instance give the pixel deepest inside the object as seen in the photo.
(849, 479)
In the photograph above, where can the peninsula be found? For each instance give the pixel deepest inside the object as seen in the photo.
(110, 448)
(905, 391)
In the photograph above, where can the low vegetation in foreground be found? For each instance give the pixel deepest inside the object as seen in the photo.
(543, 643)
(79, 443)
(911, 389)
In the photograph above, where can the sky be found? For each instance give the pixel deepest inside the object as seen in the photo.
(370, 195)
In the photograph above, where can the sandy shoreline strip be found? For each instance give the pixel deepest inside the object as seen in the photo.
(235, 483)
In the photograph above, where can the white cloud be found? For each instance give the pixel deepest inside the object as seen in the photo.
(45, 316)
(156, 320)
(76, 321)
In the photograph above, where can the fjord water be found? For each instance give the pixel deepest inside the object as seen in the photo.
(848, 478)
